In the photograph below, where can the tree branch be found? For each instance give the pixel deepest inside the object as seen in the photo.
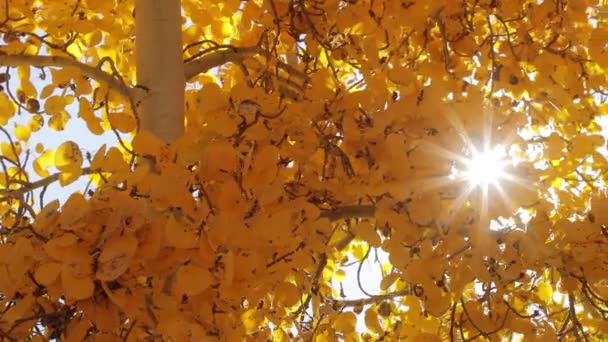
(236, 55)
(372, 300)
(60, 61)
(8, 193)
(349, 211)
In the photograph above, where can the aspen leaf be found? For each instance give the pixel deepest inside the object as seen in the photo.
(251, 319)
(150, 246)
(583, 145)
(47, 91)
(388, 281)
(426, 337)
(146, 143)
(116, 256)
(213, 97)
(76, 288)
(55, 105)
(420, 212)
(287, 294)
(219, 160)
(345, 322)
(56, 247)
(74, 210)
(57, 122)
(180, 235)
(67, 177)
(11, 151)
(99, 158)
(114, 161)
(545, 292)
(86, 112)
(77, 330)
(319, 137)
(123, 122)
(7, 108)
(68, 157)
(322, 84)
(368, 233)
(264, 168)
(192, 280)
(22, 133)
(77, 260)
(19, 310)
(372, 321)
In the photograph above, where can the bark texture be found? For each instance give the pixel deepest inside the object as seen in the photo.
(160, 67)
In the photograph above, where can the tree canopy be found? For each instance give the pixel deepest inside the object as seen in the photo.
(264, 147)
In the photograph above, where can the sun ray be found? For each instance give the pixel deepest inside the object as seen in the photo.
(443, 152)
(519, 181)
(505, 198)
(460, 201)
(455, 121)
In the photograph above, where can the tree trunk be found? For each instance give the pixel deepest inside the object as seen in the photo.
(160, 67)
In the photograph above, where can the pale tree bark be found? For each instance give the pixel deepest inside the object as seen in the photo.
(160, 68)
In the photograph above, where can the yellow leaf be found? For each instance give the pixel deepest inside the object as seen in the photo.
(21, 309)
(359, 250)
(55, 105)
(11, 151)
(147, 143)
(251, 319)
(115, 161)
(42, 163)
(35, 122)
(426, 337)
(77, 330)
(339, 275)
(423, 209)
(57, 122)
(22, 133)
(178, 235)
(545, 292)
(7, 108)
(47, 91)
(287, 294)
(68, 156)
(372, 321)
(47, 273)
(219, 160)
(123, 122)
(388, 281)
(366, 231)
(115, 257)
(86, 112)
(212, 97)
(76, 288)
(192, 280)
(345, 322)
(98, 160)
(68, 177)
(56, 247)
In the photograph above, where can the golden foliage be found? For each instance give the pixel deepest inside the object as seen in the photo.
(329, 134)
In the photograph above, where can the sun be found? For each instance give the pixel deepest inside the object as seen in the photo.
(485, 167)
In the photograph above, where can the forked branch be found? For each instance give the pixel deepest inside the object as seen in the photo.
(236, 55)
(191, 69)
(16, 193)
(61, 61)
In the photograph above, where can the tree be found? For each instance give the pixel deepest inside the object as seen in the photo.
(264, 146)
